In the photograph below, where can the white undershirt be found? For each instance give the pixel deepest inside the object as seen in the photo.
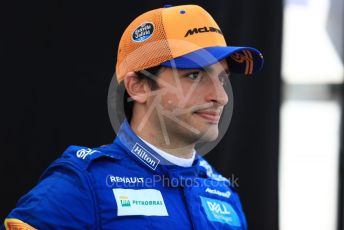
(183, 162)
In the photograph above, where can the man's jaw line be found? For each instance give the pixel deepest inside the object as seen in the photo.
(210, 112)
(183, 150)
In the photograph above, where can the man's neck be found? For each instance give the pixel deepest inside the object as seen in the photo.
(173, 146)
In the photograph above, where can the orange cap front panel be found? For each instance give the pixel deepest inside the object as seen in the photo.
(200, 31)
(163, 34)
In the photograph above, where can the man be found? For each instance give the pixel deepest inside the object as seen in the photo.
(173, 63)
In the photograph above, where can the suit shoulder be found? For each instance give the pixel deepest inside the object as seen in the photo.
(82, 157)
(211, 172)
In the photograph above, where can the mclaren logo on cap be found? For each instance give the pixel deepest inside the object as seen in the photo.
(143, 32)
(202, 30)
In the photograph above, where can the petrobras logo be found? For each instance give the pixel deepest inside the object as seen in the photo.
(83, 153)
(125, 202)
(143, 32)
(202, 30)
(145, 156)
(220, 211)
(146, 202)
(217, 192)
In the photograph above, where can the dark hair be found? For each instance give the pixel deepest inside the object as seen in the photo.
(148, 75)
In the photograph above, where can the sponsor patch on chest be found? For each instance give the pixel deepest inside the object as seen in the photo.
(145, 202)
(220, 211)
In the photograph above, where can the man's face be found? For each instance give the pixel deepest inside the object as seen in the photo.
(189, 102)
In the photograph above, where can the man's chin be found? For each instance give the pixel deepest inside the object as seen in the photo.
(210, 134)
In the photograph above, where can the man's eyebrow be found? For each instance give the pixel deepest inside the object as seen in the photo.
(211, 69)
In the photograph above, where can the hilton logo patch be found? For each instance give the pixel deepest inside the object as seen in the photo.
(145, 156)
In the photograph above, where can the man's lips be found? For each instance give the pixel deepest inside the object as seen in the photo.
(211, 116)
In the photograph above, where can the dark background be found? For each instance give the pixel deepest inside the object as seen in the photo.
(57, 60)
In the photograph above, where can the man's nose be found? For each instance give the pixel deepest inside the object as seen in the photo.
(217, 93)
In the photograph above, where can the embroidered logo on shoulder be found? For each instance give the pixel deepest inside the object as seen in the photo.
(83, 153)
(143, 32)
(146, 202)
(217, 192)
(14, 224)
(220, 211)
(145, 156)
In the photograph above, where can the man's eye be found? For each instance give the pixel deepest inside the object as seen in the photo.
(194, 75)
(223, 78)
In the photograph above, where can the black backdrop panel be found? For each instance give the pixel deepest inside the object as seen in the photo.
(58, 58)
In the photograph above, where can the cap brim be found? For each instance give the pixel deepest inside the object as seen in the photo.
(242, 60)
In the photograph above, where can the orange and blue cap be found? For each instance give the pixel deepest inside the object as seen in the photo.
(183, 37)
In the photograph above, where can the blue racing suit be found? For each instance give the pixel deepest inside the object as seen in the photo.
(126, 185)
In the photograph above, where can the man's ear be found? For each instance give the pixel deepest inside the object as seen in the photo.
(137, 89)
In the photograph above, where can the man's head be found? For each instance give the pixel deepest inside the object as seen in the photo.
(182, 103)
(173, 63)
